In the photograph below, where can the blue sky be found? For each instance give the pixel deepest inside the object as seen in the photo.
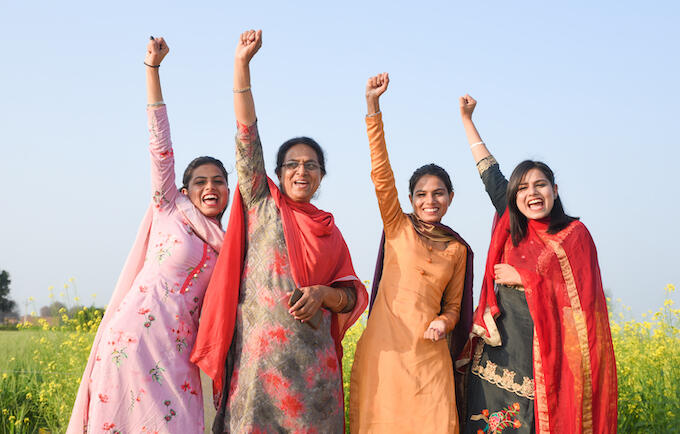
(589, 87)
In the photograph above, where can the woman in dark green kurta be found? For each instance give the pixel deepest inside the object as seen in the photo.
(541, 311)
(501, 376)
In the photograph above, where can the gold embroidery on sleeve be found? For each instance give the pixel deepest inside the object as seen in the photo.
(484, 164)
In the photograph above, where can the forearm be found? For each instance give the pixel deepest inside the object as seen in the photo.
(479, 149)
(372, 105)
(153, 86)
(339, 300)
(244, 105)
(381, 173)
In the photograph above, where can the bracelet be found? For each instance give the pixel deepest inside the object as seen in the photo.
(242, 90)
(475, 144)
(373, 114)
(153, 66)
(155, 104)
(341, 303)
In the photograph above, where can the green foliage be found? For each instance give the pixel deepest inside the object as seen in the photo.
(349, 345)
(7, 305)
(42, 369)
(648, 367)
(41, 377)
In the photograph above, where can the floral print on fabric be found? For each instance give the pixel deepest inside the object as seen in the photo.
(285, 375)
(498, 421)
(142, 380)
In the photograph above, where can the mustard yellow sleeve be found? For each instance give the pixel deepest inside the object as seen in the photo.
(454, 291)
(382, 175)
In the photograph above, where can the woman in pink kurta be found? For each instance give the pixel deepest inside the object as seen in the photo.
(139, 378)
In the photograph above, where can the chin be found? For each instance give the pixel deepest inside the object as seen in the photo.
(430, 219)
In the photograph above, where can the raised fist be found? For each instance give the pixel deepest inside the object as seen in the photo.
(377, 85)
(156, 50)
(467, 105)
(248, 44)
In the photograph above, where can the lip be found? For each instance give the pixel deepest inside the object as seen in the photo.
(210, 199)
(535, 204)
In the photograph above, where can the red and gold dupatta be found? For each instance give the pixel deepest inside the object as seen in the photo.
(311, 236)
(573, 356)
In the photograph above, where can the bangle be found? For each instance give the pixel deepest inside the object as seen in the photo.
(475, 144)
(153, 66)
(155, 104)
(242, 90)
(373, 114)
(341, 303)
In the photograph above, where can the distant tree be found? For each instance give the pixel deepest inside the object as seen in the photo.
(7, 305)
(51, 309)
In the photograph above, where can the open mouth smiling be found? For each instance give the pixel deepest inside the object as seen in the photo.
(535, 204)
(210, 199)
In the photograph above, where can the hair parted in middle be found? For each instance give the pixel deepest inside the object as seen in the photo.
(518, 222)
(430, 169)
(283, 149)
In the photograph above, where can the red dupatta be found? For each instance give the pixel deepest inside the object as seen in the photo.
(318, 256)
(573, 356)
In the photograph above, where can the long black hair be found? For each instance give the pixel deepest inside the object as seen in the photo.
(518, 221)
(200, 161)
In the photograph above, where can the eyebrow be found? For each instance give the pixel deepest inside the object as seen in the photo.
(301, 161)
(205, 177)
(538, 180)
(435, 190)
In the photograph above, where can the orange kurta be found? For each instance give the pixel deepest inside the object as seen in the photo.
(400, 381)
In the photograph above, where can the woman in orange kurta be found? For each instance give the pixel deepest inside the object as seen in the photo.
(402, 377)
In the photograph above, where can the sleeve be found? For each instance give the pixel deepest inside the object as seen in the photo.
(252, 176)
(382, 175)
(494, 182)
(453, 293)
(163, 188)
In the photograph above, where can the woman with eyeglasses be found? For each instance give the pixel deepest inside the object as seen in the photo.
(542, 360)
(284, 291)
(402, 377)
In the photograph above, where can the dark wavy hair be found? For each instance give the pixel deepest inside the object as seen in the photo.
(201, 161)
(430, 169)
(283, 149)
(518, 221)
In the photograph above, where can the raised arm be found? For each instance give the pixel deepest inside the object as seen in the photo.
(381, 171)
(252, 176)
(244, 107)
(163, 186)
(489, 170)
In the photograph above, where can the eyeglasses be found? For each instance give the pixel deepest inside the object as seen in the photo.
(310, 166)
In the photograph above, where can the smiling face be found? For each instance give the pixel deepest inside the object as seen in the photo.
(300, 173)
(430, 198)
(208, 190)
(535, 195)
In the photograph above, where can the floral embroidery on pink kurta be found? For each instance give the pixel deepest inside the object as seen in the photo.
(142, 379)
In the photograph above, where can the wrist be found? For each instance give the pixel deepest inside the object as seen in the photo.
(241, 61)
(372, 105)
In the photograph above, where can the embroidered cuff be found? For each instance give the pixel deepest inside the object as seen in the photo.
(485, 163)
